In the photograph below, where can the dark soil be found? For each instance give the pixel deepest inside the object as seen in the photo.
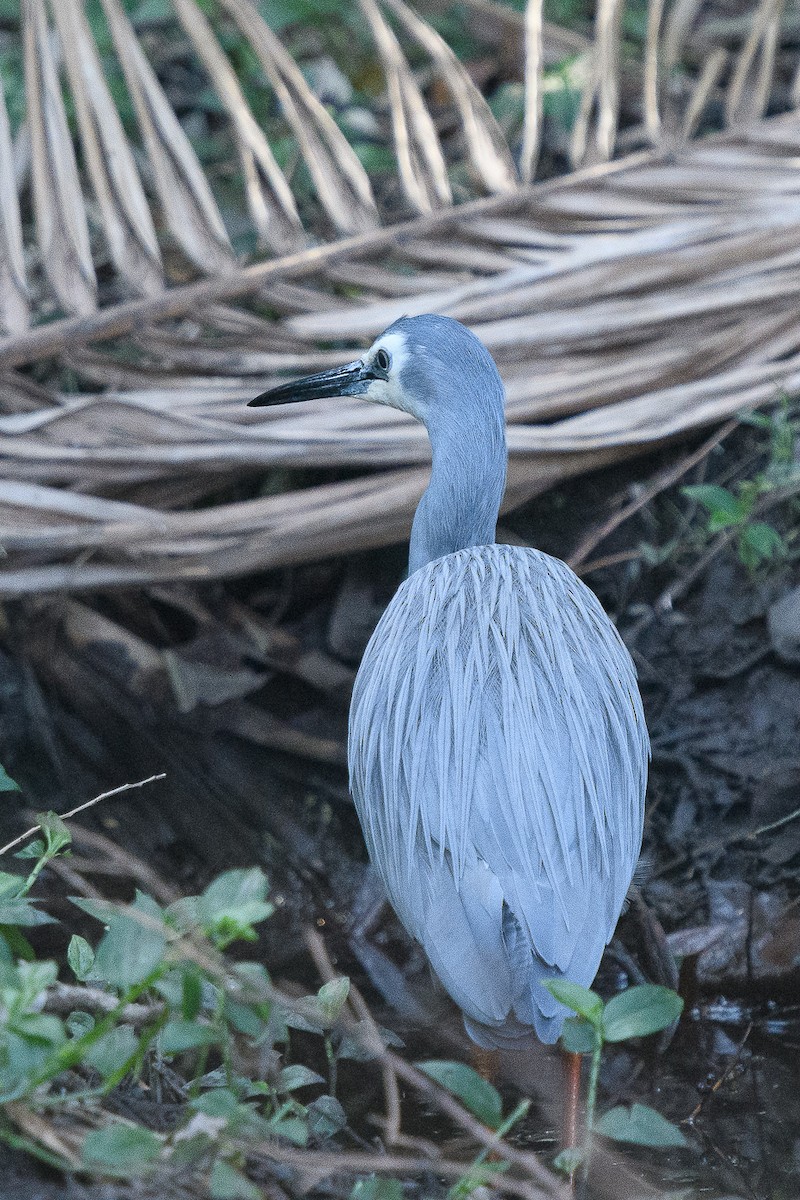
(720, 886)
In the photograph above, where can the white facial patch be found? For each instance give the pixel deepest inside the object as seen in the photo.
(390, 391)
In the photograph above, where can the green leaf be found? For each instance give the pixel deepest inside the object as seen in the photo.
(79, 1022)
(376, 1187)
(177, 1036)
(758, 543)
(332, 996)
(80, 957)
(191, 993)
(221, 1102)
(6, 954)
(7, 784)
(326, 1116)
(34, 849)
(41, 1028)
(578, 1036)
(56, 834)
(568, 1161)
(244, 1018)
(475, 1093)
(640, 1125)
(226, 1183)
(24, 912)
(639, 1011)
(294, 1129)
(297, 1076)
(34, 979)
(120, 1150)
(295, 1020)
(131, 950)
(11, 885)
(13, 945)
(170, 987)
(101, 910)
(724, 509)
(28, 1051)
(232, 904)
(585, 1003)
(112, 1050)
(254, 982)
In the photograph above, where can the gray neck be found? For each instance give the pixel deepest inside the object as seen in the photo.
(468, 477)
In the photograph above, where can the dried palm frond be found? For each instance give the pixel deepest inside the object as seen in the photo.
(185, 196)
(98, 220)
(626, 305)
(13, 287)
(61, 222)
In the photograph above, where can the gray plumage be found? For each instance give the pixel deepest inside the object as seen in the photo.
(497, 750)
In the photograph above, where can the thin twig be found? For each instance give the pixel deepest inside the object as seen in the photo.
(66, 997)
(754, 833)
(456, 1112)
(391, 1090)
(679, 588)
(661, 482)
(127, 862)
(322, 1163)
(721, 1080)
(73, 812)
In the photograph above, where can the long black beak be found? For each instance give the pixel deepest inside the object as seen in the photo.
(353, 379)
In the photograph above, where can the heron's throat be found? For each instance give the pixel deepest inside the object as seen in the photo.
(468, 477)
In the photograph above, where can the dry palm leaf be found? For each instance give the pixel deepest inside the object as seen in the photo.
(341, 182)
(423, 171)
(269, 197)
(127, 223)
(488, 152)
(13, 289)
(531, 136)
(626, 305)
(594, 139)
(750, 86)
(186, 198)
(61, 224)
(463, 134)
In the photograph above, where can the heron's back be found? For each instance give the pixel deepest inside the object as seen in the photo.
(498, 760)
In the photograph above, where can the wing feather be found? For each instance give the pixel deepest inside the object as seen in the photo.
(498, 760)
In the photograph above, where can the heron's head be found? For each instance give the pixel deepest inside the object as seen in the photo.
(427, 366)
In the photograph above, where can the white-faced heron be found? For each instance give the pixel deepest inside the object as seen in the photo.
(498, 750)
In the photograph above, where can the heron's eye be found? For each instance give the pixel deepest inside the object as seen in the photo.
(383, 359)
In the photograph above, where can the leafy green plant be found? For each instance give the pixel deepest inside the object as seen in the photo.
(757, 542)
(157, 990)
(167, 994)
(483, 1100)
(475, 1093)
(7, 784)
(634, 1013)
(377, 1188)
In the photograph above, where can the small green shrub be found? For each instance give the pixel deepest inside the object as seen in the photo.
(757, 542)
(636, 1012)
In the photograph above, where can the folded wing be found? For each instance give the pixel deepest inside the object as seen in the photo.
(498, 759)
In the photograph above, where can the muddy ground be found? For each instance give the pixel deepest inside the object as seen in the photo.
(259, 777)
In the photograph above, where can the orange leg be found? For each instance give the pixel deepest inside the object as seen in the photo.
(572, 1091)
(485, 1062)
